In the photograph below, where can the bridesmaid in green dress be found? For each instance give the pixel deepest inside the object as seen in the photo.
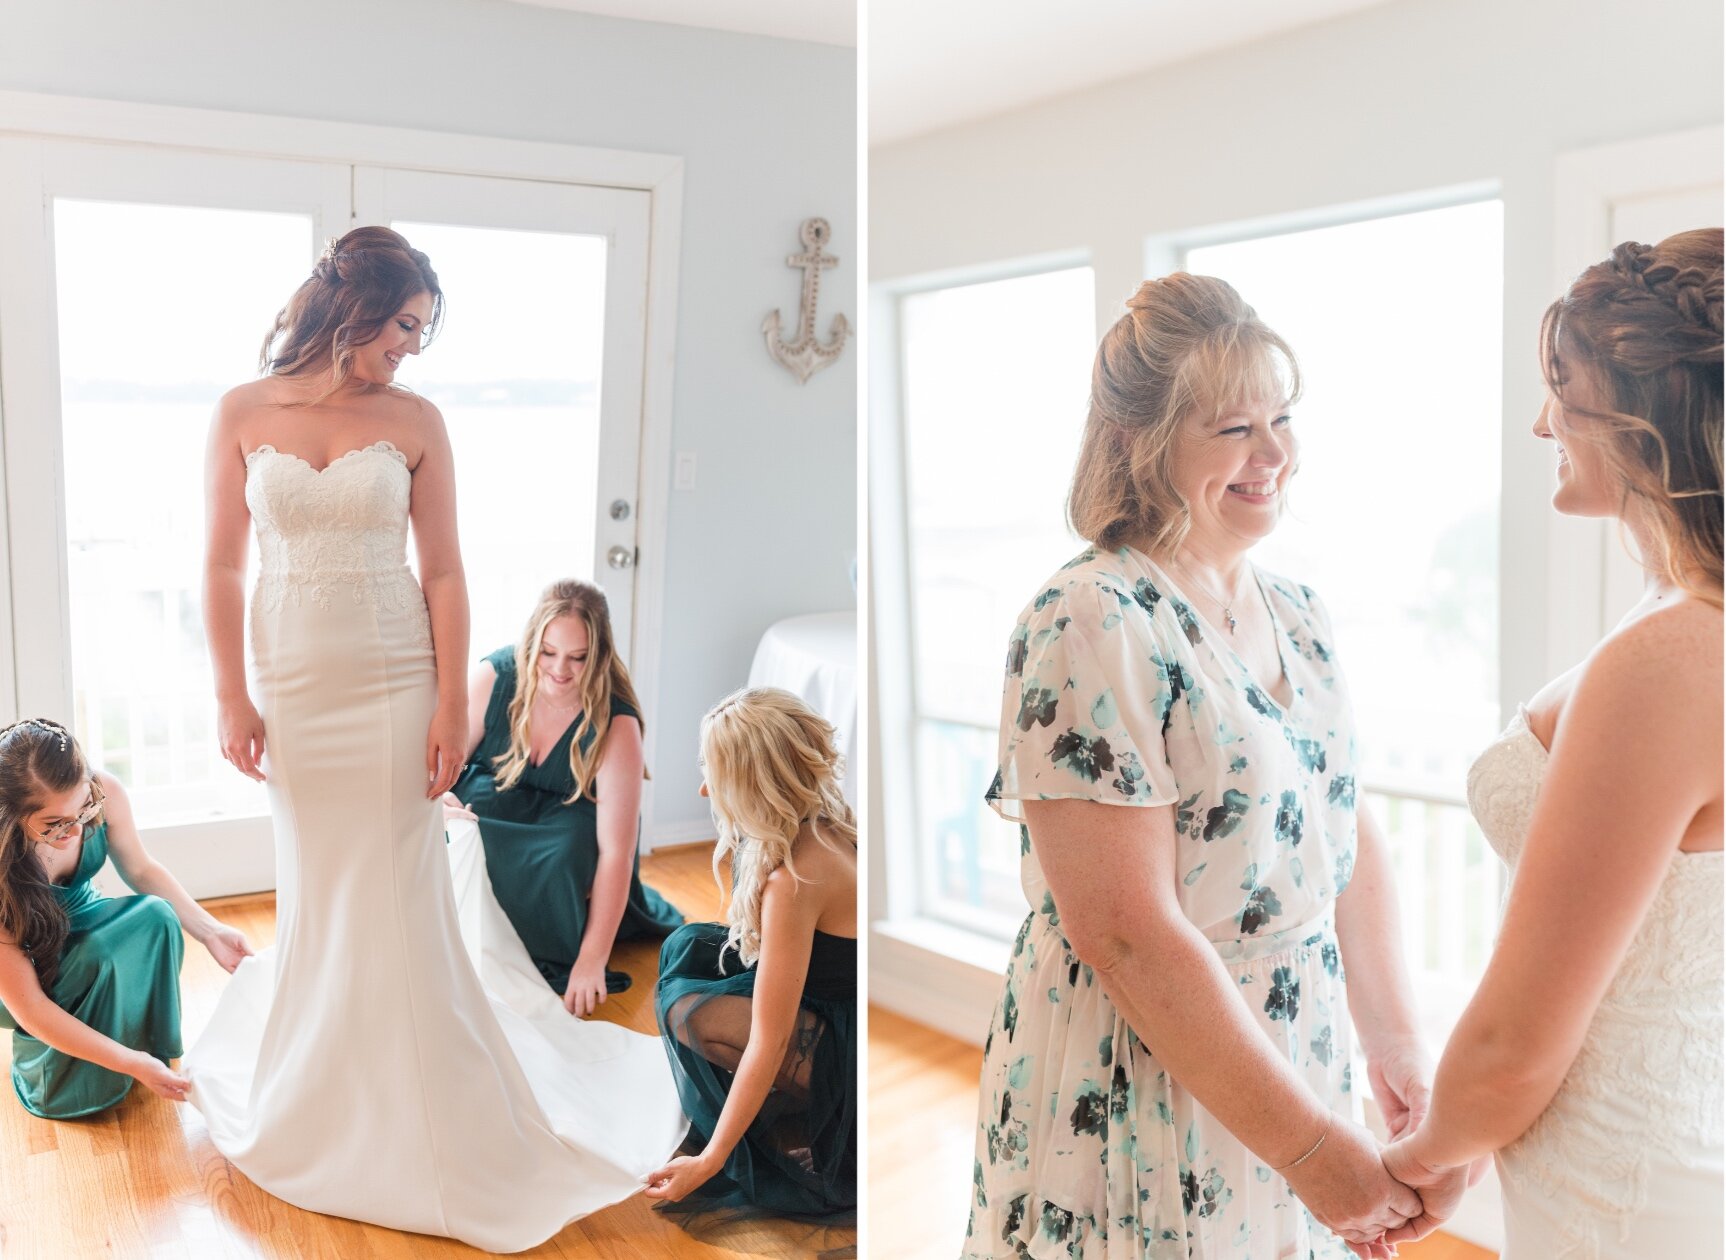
(89, 984)
(759, 1013)
(554, 773)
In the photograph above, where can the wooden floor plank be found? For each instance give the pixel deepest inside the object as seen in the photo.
(144, 1181)
(922, 1116)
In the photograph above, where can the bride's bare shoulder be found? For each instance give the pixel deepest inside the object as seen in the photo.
(1666, 660)
(1684, 634)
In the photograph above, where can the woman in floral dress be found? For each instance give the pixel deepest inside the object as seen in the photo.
(1168, 1072)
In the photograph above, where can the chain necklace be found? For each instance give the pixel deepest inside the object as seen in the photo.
(1227, 605)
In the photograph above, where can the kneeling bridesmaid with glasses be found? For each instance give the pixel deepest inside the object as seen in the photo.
(89, 984)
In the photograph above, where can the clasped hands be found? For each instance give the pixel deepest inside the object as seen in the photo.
(1375, 1197)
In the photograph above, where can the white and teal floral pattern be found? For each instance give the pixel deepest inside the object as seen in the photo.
(1118, 692)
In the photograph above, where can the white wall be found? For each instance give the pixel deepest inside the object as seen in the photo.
(767, 131)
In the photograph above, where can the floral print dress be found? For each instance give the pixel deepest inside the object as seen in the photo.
(1118, 692)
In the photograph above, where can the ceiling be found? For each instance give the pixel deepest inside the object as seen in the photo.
(819, 21)
(934, 63)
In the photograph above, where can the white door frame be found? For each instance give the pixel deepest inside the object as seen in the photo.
(1587, 563)
(42, 116)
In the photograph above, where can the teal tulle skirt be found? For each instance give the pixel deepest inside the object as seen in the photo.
(799, 1157)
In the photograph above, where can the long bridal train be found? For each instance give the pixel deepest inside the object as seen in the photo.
(366, 1066)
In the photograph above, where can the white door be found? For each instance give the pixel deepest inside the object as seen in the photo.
(136, 285)
(538, 372)
(1641, 190)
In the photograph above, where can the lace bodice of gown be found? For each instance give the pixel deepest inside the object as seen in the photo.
(1646, 1084)
(339, 530)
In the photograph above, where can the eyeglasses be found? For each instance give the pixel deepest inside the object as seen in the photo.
(87, 815)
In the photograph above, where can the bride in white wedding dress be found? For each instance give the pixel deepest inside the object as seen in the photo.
(1590, 1058)
(364, 1067)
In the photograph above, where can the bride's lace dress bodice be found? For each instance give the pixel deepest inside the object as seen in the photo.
(1646, 1086)
(338, 532)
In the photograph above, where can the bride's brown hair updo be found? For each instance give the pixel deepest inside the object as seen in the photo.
(1645, 326)
(360, 284)
(1186, 344)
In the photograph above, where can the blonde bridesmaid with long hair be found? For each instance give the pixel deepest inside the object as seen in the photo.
(553, 778)
(759, 1012)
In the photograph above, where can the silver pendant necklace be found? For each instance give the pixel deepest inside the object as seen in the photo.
(1227, 605)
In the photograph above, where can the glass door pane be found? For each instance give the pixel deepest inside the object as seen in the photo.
(149, 339)
(988, 454)
(516, 372)
(539, 373)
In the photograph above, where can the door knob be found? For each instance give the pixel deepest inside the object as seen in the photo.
(620, 557)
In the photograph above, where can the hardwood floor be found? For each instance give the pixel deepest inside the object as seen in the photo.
(922, 1113)
(143, 1180)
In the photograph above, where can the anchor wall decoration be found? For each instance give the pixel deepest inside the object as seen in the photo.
(805, 356)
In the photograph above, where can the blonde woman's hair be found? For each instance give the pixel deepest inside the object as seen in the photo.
(771, 766)
(1187, 344)
(603, 679)
(1644, 325)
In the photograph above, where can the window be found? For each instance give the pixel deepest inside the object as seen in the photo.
(149, 338)
(994, 377)
(1393, 519)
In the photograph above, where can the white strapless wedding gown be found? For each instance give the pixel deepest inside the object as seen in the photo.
(1626, 1163)
(390, 1059)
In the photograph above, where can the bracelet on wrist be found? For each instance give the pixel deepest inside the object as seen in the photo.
(1311, 1150)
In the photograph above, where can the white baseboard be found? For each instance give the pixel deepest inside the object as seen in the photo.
(689, 831)
(221, 858)
(938, 975)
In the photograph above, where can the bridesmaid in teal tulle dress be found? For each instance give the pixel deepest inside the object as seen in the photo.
(554, 773)
(759, 1013)
(89, 984)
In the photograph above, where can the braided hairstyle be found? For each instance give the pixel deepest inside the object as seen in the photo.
(38, 758)
(1645, 325)
(358, 286)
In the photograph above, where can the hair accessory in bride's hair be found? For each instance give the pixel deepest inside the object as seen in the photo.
(53, 728)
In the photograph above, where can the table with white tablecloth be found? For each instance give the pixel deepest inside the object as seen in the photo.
(814, 657)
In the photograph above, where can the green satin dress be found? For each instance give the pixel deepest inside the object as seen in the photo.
(542, 854)
(119, 974)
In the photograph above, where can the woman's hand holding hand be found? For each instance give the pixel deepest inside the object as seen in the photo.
(240, 735)
(453, 808)
(586, 988)
(1346, 1186)
(1401, 1077)
(1440, 1189)
(446, 748)
(680, 1176)
(159, 1078)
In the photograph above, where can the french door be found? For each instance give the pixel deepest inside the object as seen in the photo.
(136, 284)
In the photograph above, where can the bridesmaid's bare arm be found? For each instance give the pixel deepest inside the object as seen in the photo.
(619, 822)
